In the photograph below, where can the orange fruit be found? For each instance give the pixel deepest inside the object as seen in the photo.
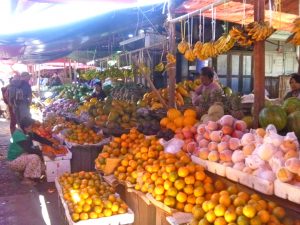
(203, 221)
(200, 200)
(200, 175)
(198, 212)
(220, 221)
(264, 216)
(190, 113)
(210, 216)
(243, 220)
(225, 200)
(170, 201)
(93, 215)
(191, 199)
(172, 192)
(75, 217)
(159, 190)
(230, 215)
(189, 179)
(181, 197)
(107, 212)
(219, 210)
(255, 221)
(84, 216)
(179, 184)
(199, 191)
(188, 208)
(172, 114)
(209, 188)
(188, 189)
(183, 172)
(249, 211)
(279, 212)
(180, 206)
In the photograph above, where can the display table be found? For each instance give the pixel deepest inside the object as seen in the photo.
(127, 218)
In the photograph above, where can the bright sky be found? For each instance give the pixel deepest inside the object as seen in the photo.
(44, 15)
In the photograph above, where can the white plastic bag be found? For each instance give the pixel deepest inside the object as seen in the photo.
(272, 137)
(172, 146)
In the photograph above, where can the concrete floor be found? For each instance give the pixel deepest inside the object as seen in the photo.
(21, 204)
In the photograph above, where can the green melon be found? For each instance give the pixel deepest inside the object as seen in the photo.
(293, 123)
(273, 115)
(291, 105)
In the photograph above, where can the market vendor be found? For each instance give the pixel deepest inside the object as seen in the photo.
(23, 157)
(295, 86)
(98, 91)
(208, 85)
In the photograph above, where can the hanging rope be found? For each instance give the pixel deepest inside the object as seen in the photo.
(270, 12)
(200, 25)
(192, 29)
(277, 7)
(244, 13)
(203, 29)
(213, 23)
(188, 25)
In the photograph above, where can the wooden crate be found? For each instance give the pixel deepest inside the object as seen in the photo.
(83, 157)
(143, 209)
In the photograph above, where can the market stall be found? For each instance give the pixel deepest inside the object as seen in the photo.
(147, 155)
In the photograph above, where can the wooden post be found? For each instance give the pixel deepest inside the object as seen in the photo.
(259, 64)
(172, 49)
(70, 70)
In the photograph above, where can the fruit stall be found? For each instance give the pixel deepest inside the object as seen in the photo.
(142, 156)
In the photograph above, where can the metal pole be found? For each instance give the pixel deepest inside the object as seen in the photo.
(196, 12)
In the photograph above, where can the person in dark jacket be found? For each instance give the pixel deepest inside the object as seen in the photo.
(20, 96)
(98, 91)
(295, 86)
(23, 156)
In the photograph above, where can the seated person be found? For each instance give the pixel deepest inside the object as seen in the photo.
(23, 156)
(208, 85)
(295, 86)
(98, 91)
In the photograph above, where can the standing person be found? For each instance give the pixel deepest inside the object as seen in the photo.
(20, 96)
(98, 91)
(55, 80)
(295, 86)
(23, 156)
(12, 116)
(208, 85)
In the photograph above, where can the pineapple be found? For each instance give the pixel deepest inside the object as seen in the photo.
(236, 106)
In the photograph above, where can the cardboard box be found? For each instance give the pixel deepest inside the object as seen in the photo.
(56, 168)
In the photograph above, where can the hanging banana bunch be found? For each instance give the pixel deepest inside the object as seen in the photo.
(240, 36)
(171, 59)
(183, 45)
(189, 54)
(294, 38)
(259, 31)
(160, 66)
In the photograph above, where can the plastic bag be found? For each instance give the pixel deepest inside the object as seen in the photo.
(254, 162)
(272, 137)
(172, 146)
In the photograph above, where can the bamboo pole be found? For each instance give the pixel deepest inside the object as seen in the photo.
(259, 65)
(172, 49)
(146, 74)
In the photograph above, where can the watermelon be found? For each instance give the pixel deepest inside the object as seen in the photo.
(291, 105)
(293, 123)
(273, 115)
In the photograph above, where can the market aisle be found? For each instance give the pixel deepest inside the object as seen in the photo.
(21, 204)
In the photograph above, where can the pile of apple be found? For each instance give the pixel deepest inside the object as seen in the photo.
(218, 141)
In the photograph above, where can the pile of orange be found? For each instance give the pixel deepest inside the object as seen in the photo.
(80, 134)
(177, 182)
(176, 120)
(136, 152)
(232, 206)
(88, 197)
(60, 151)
